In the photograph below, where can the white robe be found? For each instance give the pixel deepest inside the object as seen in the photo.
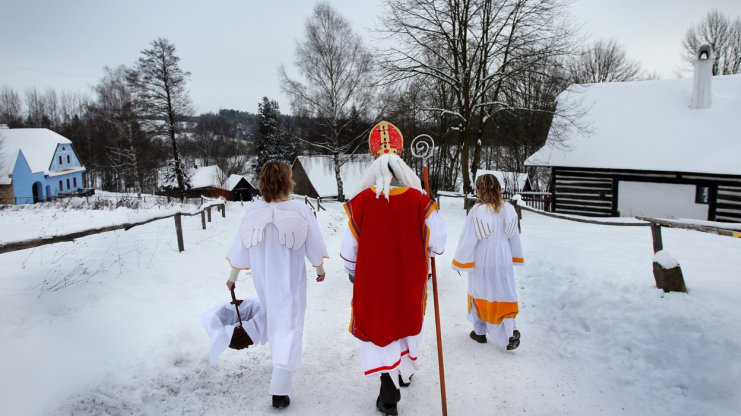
(488, 247)
(400, 356)
(279, 274)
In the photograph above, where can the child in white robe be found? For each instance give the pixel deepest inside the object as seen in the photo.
(275, 236)
(488, 248)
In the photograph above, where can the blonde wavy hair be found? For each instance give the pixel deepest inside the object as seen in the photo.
(489, 191)
(275, 181)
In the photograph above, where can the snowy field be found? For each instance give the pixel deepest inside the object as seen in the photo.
(111, 325)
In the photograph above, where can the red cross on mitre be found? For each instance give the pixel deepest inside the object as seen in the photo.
(384, 139)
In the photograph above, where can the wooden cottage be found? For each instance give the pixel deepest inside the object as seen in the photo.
(660, 148)
(239, 188)
(207, 181)
(511, 182)
(315, 176)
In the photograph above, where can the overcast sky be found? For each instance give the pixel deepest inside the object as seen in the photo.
(234, 48)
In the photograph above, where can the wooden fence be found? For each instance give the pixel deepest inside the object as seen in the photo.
(205, 212)
(667, 279)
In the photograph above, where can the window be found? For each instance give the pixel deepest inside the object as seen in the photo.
(60, 159)
(67, 183)
(74, 182)
(61, 188)
(702, 194)
(68, 159)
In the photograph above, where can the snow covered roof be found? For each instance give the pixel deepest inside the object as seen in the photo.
(232, 181)
(506, 179)
(649, 125)
(320, 170)
(38, 147)
(206, 176)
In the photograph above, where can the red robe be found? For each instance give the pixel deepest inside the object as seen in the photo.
(390, 288)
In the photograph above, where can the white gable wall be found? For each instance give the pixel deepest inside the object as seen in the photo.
(659, 200)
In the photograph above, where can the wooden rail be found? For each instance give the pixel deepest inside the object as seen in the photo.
(566, 217)
(37, 242)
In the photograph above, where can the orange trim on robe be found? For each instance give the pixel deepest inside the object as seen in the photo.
(518, 260)
(463, 265)
(233, 267)
(494, 312)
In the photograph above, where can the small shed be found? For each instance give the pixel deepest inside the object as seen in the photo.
(315, 176)
(37, 165)
(239, 188)
(511, 182)
(660, 148)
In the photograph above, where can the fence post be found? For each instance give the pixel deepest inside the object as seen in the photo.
(656, 235)
(669, 280)
(203, 219)
(179, 232)
(209, 213)
(223, 210)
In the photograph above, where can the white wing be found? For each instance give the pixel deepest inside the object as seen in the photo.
(252, 229)
(482, 222)
(293, 228)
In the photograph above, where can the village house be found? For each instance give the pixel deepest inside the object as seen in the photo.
(37, 164)
(315, 176)
(659, 148)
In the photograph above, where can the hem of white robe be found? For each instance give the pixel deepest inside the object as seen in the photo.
(498, 333)
(398, 357)
(281, 382)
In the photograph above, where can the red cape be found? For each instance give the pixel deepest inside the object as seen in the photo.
(390, 289)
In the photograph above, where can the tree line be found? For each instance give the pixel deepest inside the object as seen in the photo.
(480, 76)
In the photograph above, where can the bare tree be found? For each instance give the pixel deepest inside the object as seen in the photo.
(161, 96)
(604, 61)
(723, 35)
(336, 76)
(11, 107)
(472, 46)
(115, 109)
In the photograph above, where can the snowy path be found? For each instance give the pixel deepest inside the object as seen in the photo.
(124, 336)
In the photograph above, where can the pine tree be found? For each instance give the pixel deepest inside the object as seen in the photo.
(271, 139)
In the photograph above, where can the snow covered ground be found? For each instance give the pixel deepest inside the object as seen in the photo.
(110, 325)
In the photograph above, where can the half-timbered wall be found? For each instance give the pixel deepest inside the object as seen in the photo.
(593, 192)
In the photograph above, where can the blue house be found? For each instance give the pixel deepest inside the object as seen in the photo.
(36, 165)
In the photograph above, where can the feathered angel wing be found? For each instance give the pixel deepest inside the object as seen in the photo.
(293, 229)
(252, 229)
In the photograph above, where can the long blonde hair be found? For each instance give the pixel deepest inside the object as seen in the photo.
(489, 191)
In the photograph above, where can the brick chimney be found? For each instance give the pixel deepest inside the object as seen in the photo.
(701, 86)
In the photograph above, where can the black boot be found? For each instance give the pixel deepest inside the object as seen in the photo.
(388, 409)
(514, 340)
(388, 396)
(402, 383)
(481, 339)
(279, 402)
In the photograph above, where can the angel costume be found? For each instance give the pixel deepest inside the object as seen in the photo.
(392, 232)
(273, 240)
(489, 245)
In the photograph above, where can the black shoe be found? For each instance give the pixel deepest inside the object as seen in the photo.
(514, 340)
(402, 383)
(386, 408)
(279, 402)
(481, 339)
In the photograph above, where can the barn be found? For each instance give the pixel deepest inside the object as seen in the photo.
(315, 176)
(658, 148)
(239, 188)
